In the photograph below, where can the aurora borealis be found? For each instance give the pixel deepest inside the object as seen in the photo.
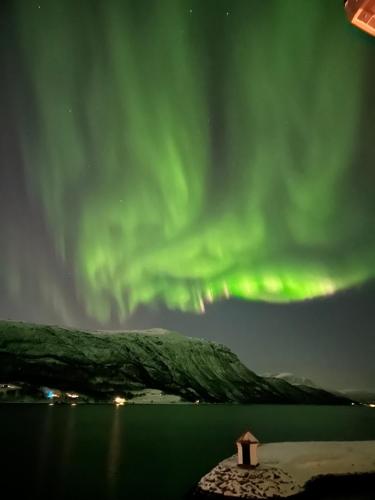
(184, 152)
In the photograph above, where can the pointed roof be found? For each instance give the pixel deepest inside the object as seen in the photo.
(247, 438)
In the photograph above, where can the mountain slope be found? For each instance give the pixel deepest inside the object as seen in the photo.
(293, 379)
(101, 364)
(360, 396)
(357, 395)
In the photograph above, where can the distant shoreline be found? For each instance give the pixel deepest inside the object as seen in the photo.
(100, 366)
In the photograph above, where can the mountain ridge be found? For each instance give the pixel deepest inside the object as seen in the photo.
(101, 364)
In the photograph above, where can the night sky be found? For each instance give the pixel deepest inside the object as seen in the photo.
(204, 166)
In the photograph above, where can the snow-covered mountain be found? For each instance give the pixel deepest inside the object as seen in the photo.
(359, 395)
(100, 365)
(293, 379)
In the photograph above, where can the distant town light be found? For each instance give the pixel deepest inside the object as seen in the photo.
(72, 395)
(120, 401)
(372, 405)
(73, 404)
(50, 393)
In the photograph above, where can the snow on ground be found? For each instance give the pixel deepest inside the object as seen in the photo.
(306, 460)
(151, 331)
(285, 468)
(150, 396)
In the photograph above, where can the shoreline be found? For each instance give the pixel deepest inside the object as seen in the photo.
(335, 486)
(293, 470)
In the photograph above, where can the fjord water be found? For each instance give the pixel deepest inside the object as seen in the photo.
(145, 452)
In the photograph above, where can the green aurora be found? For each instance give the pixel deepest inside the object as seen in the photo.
(185, 152)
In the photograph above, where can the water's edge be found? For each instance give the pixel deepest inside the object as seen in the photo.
(335, 486)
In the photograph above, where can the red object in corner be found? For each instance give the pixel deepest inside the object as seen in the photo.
(361, 13)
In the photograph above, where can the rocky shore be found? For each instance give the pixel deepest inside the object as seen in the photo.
(292, 470)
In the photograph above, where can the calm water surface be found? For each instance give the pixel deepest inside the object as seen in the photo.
(147, 452)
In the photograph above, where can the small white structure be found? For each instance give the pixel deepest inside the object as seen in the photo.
(247, 446)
